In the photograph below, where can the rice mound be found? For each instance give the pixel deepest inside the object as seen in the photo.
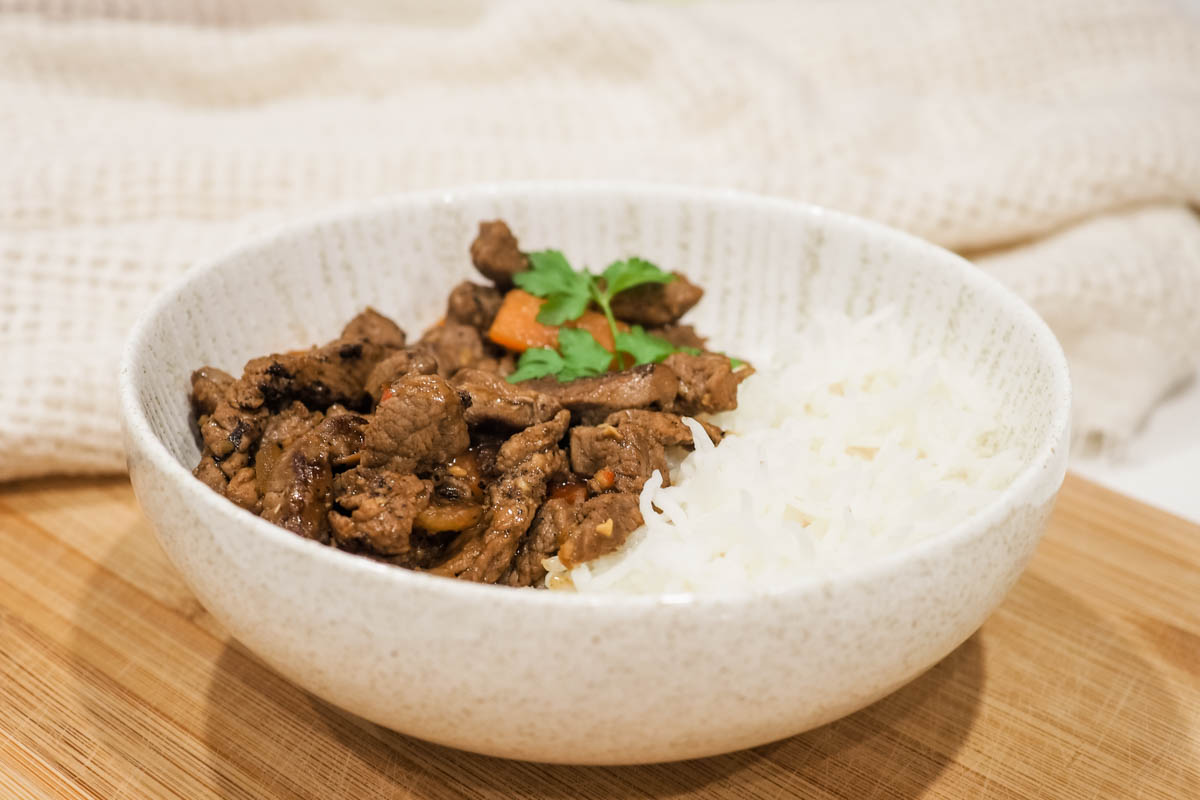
(843, 447)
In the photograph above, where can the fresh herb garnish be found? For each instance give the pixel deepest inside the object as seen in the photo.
(646, 348)
(567, 293)
(579, 355)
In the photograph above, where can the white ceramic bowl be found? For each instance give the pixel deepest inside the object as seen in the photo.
(588, 679)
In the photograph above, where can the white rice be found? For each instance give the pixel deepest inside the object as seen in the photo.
(843, 447)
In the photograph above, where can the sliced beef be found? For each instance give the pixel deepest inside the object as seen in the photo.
(371, 326)
(243, 489)
(418, 426)
(321, 376)
(210, 473)
(593, 399)
(707, 383)
(299, 492)
(664, 426)
(623, 453)
(280, 432)
(604, 523)
(383, 505)
(495, 253)
(681, 336)
(550, 526)
(230, 434)
(620, 459)
(209, 387)
(474, 305)
(489, 399)
(655, 304)
(528, 461)
(414, 360)
(454, 346)
(461, 479)
(534, 439)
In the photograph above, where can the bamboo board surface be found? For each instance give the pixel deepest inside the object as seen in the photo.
(115, 683)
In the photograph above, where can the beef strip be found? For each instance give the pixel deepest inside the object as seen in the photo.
(455, 346)
(623, 452)
(279, 432)
(603, 525)
(666, 427)
(383, 505)
(474, 305)
(528, 460)
(209, 387)
(593, 399)
(418, 427)
(489, 399)
(415, 360)
(534, 439)
(655, 304)
(707, 383)
(618, 458)
(550, 526)
(243, 489)
(321, 376)
(461, 478)
(681, 336)
(299, 492)
(496, 255)
(371, 326)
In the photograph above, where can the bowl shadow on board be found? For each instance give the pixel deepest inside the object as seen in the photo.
(846, 758)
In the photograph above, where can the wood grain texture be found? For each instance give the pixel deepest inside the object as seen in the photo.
(114, 683)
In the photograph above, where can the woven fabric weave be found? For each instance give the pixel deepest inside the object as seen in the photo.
(1054, 142)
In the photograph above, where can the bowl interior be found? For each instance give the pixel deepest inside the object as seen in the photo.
(766, 266)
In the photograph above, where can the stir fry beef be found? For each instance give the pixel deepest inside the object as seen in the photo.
(707, 383)
(489, 399)
(496, 255)
(299, 491)
(654, 304)
(418, 425)
(382, 504)
(413, 360)
(474, 305)
(681, 336)
(526, 461)
(454, 346)
(371, 326)
(593, 399)
(209, 387)
(625, 450)
(549, 528)
(434, 456)
(667, 428)
(603, 524)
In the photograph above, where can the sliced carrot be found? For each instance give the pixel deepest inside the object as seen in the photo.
(516, 326)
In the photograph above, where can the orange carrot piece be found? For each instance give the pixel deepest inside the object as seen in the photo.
(516, 326)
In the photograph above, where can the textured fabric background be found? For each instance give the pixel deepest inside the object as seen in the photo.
(1057, 143)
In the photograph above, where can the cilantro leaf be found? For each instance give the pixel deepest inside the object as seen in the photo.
(582, 355)
(622, 275)
(734, 363)
(567, 292)
(549, 273)
(560, 308)
(536, 362)
(646, 348)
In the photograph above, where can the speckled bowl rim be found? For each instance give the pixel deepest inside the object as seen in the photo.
(220, 511)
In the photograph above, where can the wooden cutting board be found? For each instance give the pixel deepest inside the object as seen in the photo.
(115, 683)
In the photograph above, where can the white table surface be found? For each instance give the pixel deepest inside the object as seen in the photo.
(1161, 465)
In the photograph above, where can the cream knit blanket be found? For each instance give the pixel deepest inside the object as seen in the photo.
(1056, 142)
